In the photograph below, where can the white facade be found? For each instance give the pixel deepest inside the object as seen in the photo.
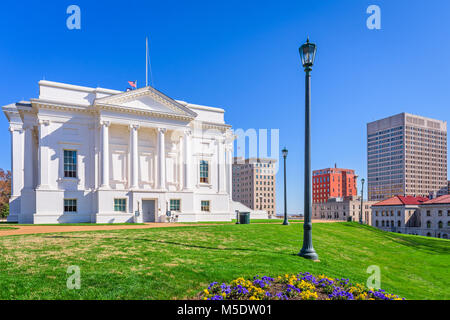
(83, 154)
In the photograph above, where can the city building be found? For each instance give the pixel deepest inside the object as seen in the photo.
(435, 217)
(398, 212)
(345, 209)
(84, 154)
(333, 183)
(406, 155)
(254, 184)
(414, 215)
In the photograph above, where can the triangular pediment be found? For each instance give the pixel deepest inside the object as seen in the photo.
(146, 99)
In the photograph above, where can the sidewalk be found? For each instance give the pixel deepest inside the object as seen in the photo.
(32, 229)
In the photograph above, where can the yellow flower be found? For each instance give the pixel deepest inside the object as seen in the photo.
(206, 291)
(308, 295)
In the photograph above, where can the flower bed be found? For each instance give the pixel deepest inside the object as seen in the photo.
(303, 286)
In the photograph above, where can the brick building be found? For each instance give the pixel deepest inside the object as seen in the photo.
(333, 183)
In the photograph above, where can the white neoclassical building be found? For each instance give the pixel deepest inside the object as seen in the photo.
(82, 154)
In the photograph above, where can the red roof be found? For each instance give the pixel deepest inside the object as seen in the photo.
(401, 201)
(440, 200)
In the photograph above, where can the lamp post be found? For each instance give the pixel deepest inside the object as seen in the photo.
(285, 222)
(307, 54)
(362, 201)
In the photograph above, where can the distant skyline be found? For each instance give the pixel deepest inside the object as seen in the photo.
(243, 57)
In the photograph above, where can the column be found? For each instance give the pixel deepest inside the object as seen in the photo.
(43, 162)
(187, 159)
(180, 163)
(229, 155)
(16, 160)
(161, 159)
(105, 153)
(28, 157)
(134, 156)
(221, 165)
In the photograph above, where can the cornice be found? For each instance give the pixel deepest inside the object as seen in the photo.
(137, 111)
(147, 91)
(212, 125)
(40, 104)
(45, 104)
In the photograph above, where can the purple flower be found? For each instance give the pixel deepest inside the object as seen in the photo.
(340, 294)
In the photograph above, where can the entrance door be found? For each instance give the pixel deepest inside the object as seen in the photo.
(148, 210)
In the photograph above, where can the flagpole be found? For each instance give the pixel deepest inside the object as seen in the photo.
(146, 61)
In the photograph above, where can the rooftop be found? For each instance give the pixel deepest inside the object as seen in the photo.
(402, 200)
(445, 199)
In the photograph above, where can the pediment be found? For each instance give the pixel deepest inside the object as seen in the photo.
(146, 99)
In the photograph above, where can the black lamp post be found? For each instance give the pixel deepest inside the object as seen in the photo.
(362, 201)
(307, 54)
(285, 222)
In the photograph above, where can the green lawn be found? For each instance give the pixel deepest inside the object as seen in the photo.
(175, 263)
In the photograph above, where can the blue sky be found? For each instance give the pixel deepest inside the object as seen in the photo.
(243, 56)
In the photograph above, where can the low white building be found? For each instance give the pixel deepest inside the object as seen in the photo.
(414, 215)
(82, 154)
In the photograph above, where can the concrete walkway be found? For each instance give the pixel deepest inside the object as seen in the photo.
(32, 229)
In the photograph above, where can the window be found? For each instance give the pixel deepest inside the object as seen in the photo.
(120, 205)
(175, 205)
(440, 225)
(204, 171)
(205, 205)
(70, 164)
(70, 205)
(428, 224)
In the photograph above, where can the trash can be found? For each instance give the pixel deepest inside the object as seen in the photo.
(244, 217)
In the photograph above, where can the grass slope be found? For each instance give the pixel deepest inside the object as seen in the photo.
(175, 263)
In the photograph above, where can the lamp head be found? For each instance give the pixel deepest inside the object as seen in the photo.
(307, 54)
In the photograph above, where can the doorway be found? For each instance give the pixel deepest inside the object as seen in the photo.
(148, 210)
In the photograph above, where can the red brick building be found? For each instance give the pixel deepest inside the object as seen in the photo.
(333, 183)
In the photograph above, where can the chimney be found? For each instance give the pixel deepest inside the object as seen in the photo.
(335, 165)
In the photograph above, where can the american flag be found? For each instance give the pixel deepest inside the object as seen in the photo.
(132, 83)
